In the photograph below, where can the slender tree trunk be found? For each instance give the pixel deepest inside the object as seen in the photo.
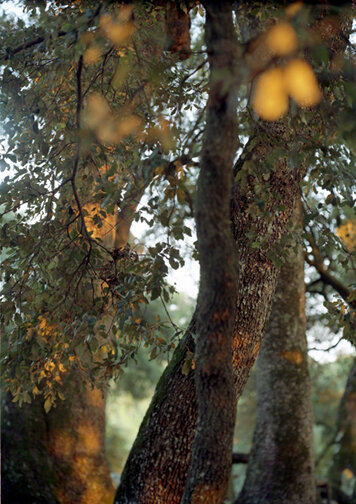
(280, 465)
(211, 457)
(344, 458)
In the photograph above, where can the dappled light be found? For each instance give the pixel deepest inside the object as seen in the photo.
(152, 147)
(293, 356)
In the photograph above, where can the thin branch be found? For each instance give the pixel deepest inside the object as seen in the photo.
(329, 279)
(176, 328)
(327, 349)
(27, 45)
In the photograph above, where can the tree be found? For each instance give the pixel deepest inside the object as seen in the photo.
(211, 453)
(343, 462)
(119, 118)
(158, 450)
(70, 440)
(281, 465)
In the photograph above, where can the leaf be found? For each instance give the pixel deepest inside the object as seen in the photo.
(48, 404)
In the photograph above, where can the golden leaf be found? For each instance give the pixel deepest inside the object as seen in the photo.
(292, 9)
(301, 83)
(348, 473)
(347, 233)
(282, 39)
(270, 99)
(92, 55)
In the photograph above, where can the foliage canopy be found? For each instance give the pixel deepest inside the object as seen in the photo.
(98, 116)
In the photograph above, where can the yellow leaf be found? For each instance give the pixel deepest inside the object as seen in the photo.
(92, 55)
(96, 111)
(348, 473)
(292, 9)
(301, 83)
(61, 368)
(47, 404)
(270, 99)
(282, 39)
(347, 233)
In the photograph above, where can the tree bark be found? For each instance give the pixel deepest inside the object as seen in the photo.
(59, 457)
(281, 465)
(211, 456)
(344, 458)
(27, 474)
(157, 467)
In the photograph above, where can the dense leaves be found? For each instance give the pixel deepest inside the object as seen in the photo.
(98, 116)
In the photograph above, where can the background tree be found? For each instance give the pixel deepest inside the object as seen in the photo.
(344, 459)
(281, 461)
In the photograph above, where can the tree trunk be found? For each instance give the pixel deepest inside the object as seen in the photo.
(211, 457)
(157, 467)
(344, 459)
(57, 457)
(280, 465)
(27, 474)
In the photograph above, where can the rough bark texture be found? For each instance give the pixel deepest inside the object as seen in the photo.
(344, 458)
(280, 465)
(157, 467)
(26, 473)
(211, 456)
(58, 457)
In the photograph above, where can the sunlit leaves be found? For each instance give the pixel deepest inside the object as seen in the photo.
(273, 87)
(118, 28)
(92, 55)
(292, 9)
(301, 83)
(282, 39)
(347, 233)
(270, 99)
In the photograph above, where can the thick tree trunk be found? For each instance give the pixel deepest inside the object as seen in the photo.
(27, 474)
(57, 457)
(157, 467)
(211, 456)
(344, 458)
(280, 467)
